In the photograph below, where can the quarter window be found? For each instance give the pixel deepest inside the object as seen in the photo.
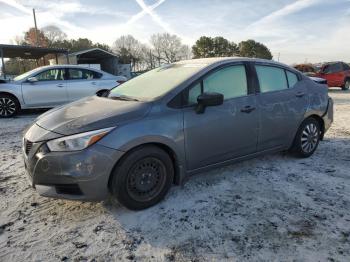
(292, 79)
(271, 78)
(51, 75)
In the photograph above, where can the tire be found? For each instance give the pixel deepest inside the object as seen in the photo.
(307, 138)
(346, 84)
(9, 106)
(142, 178)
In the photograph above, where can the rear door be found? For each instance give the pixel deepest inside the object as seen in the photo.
(222, 132)
(82, 82)
(282, 102)
(48, 91)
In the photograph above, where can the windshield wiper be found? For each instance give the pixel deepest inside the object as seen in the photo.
(124, 98)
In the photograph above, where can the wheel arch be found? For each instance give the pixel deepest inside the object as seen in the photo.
(12, 95)
(178, 170)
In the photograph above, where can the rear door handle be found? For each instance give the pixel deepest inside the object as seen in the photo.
(93, 83)
(60, 85)
(247, 109)
(300, 94)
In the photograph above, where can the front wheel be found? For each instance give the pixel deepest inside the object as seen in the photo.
(346, 85)
(143, 178)
(9, 106)
(307, 138)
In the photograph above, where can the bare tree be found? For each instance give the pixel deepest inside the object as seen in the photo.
(131, 50)
(169, 48)
(53, 34)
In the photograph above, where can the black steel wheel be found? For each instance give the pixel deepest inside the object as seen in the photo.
(146, 179)
(9, 106)
(307, 138)
(142, 178)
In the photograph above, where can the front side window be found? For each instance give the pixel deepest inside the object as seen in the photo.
(51, 75)
(292, 79)
(346, 67)
(230, 81)
(271, 78)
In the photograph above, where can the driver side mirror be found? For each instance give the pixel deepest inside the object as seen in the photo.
(32, 80)
(208, 99)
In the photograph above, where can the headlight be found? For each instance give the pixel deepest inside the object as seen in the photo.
(78, 141)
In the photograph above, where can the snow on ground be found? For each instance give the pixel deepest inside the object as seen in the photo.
(274, 207)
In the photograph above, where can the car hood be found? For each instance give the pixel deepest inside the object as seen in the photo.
(91, 113)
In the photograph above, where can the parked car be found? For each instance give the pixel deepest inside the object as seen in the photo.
(171, 122)
(50, 86)
(306, 69)
(337, 74)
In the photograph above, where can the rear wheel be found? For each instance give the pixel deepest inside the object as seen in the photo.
(143, 178)
(307, 138)
(346, 85)
(9, 106)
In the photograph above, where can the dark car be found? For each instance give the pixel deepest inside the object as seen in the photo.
(174, 121)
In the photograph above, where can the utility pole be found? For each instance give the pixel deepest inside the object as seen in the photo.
(278, 59)
(36, 28)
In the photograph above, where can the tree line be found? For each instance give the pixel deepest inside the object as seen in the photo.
(162, 48)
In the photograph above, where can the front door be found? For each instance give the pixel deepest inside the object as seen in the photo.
(282, 102)
(222, 132)
(48, 91)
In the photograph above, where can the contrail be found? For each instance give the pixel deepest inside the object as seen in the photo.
(16, 5)
(155, 17)
(141, 14)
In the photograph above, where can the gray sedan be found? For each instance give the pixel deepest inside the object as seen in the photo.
(49, 86)
(169, 123)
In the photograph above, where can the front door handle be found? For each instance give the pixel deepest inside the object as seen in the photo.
(60, 85)
(300, 94)
(93, 83)
(247, 109)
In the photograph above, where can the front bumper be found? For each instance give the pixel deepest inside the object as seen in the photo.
(80, 175)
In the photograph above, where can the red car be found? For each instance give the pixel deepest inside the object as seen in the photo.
(337, 74)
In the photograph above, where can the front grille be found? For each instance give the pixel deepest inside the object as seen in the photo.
(27, 146)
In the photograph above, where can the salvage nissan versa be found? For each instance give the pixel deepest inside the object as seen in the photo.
(160, 127)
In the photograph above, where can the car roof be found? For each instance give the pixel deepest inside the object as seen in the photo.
(69, 66)
(224, 60)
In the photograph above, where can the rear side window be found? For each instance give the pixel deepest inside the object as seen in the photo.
(271, 78)
(75, 73)
(292, 79)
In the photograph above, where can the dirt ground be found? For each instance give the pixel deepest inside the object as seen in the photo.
(273, 208)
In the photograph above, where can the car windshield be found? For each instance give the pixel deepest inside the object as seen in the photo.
(156, 82)
(25, 75)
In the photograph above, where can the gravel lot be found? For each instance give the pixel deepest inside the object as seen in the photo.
(271, 208)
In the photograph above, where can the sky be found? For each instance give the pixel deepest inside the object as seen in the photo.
(295, 31)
